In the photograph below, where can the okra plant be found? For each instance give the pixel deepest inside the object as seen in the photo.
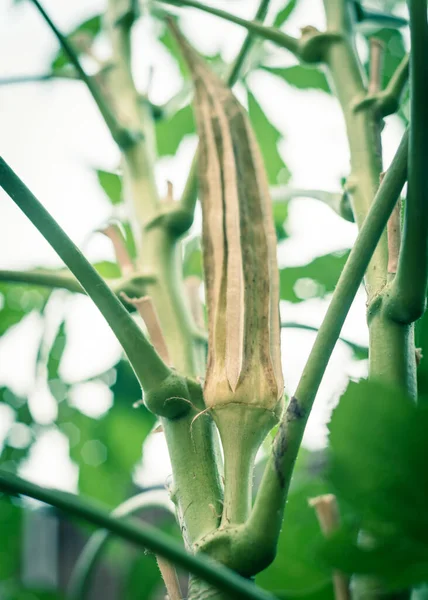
(213, 379)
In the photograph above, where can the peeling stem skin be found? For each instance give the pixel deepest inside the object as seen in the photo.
(267, 515)
(192, 447)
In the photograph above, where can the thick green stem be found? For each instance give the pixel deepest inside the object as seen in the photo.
(266, 518)
(148, 366)
(407, 296)
(192, 447)
(362, 126)
(138, 533)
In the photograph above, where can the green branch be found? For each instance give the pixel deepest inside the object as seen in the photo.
(338, 202)
(407, 298)
(387, 102)
(44, 278)
(359, 351)
(120, 136)
(266, 518)
(148, 366)
(190, 192)
(271, 34)
(141, 534)
(80, 578)
(18, 79)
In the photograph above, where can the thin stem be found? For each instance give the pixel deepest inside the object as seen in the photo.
(271, 34)
(356, 348)
(169, 576)
(190, 193)
(141, 534)
(81, 576)
(44, 278)
(338, 202)
(244, 51)
(407, 299)
(266, 517)
(376, 65)
(18, 79)
(148, 366)
(119, 135)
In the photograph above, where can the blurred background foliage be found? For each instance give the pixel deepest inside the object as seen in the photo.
(375, 459)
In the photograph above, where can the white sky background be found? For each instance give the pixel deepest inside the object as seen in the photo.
(53, 137)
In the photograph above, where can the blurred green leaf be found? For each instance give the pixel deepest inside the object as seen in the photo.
(111, 184)
(192, 261)
(268, 137)
(10, 534)
(297, 571)
(377, 465)
(17, 301)
(107, 449)
(393, 54)
(56, 352)
(107, 269)
(284, 13)
(81, 37)
(314, 280)
(170, 132)
(302, 77)
(280, 215)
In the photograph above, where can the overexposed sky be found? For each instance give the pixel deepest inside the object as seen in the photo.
(54, 138)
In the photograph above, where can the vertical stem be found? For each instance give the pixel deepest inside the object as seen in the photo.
(362, 127)
(192, 449)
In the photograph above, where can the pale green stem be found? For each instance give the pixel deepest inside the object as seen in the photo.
(268, 33)
(43, 278)
(362, 127)
(140, 534)
(266, 518)
(81, 576)
(192, 447)
(407, 296)
(361, 351)
(148, 366)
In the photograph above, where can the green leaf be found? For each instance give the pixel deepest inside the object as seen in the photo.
(378, 449)
(107, 269)
(268, 137)
(17, 301)
(56, 352)
(85, 33)
(302, 77)
(111, 184)
(394, 52)
(280, 215)
(315, 280)
(297, 571)
(170, 45)
(284, 13)
(107, 449)
(192, 261)
(11, 536)
(170, 132)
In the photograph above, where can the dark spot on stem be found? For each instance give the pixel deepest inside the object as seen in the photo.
(279, 449)
(295, 410)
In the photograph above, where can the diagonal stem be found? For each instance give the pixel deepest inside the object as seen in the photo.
(141, 534)
(266, 518)
(148, 366)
